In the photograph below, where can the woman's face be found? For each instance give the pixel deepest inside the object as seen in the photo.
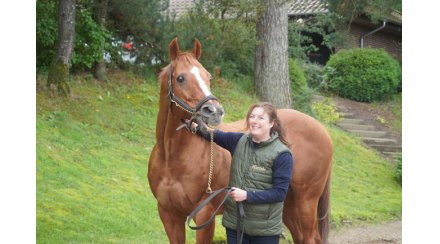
(259, 125)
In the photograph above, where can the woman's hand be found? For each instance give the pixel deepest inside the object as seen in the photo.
(238, 194)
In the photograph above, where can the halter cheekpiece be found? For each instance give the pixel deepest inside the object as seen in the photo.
(182, 104)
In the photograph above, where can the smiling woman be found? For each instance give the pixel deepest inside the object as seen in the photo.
(260, 175)
(259, 125)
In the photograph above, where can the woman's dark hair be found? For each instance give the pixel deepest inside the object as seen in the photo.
(273, 117)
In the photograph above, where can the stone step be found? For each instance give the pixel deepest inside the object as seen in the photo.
(347, 115)
(317, 98)
(342, 108)
(351, 121)
(387, 148)
(393, 155)
(355, 127)
(368, 133)
(381, 141)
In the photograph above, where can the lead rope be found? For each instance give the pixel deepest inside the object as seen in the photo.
(240, 209)
(211, 164)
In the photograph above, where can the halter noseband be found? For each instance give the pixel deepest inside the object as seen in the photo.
(182, 104)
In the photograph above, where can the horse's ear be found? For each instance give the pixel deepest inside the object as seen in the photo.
(197, 51)
(174, 49)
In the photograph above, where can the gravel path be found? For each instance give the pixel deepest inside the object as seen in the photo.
(373, 234)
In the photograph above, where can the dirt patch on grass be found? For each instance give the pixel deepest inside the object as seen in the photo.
(372, 234)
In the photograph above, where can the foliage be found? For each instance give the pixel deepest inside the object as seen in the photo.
(297, 77)
(227, 43)
(232, 9)
(313, 73)
(375, 9)
(363, 75)
(300, 91)
(47, 32)
(146, 23)
(299, 30)
(89, 36)
(326, 111)
(399, 169)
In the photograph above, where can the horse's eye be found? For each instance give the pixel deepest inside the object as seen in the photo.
(180, 78)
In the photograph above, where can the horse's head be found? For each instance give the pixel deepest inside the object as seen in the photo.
(188, 85)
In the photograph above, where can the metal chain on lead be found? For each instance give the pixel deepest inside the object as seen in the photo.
(211, 164)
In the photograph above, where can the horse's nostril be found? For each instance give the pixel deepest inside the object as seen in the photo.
(208, 109)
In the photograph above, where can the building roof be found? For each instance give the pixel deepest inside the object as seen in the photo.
(306, 7)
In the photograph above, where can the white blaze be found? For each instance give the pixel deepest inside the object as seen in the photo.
(202, 83)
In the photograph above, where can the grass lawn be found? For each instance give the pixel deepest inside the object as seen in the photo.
(92, 163)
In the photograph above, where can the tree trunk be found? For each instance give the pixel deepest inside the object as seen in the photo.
(59, 70)
(271, 73)
(99, 14)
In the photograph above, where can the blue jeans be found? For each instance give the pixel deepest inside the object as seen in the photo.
(232, 238)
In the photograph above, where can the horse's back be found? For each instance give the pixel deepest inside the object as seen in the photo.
(304, 132)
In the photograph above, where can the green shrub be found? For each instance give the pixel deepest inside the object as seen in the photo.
(363, 75)
(300, 90)
(326, 111)
(313, 73)
(297, 77)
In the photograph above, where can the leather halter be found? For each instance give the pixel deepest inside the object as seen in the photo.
(182, 104)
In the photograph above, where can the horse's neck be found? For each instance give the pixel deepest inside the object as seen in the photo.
(166, 135)
(162, 116)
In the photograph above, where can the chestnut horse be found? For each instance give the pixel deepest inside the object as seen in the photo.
(180, 170)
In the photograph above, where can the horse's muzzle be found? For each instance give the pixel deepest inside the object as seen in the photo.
(211, 114)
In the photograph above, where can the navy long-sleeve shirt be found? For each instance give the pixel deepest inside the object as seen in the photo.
(281, 170)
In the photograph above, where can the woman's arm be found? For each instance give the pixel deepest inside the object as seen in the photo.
(227, 140)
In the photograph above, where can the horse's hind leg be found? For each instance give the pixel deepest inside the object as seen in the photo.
(300, 217)
(206, 234)
(174, 226)
(289, 218)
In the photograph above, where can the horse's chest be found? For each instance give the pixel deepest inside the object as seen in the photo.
(172, 194)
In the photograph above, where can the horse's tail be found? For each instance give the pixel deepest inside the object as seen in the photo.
(324, 211)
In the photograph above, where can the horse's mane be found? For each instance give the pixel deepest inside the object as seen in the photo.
(186, 57)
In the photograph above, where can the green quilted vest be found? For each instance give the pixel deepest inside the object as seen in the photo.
(251, 170)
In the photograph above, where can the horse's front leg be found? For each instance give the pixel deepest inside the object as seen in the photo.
(205, 235)
(174, 225)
